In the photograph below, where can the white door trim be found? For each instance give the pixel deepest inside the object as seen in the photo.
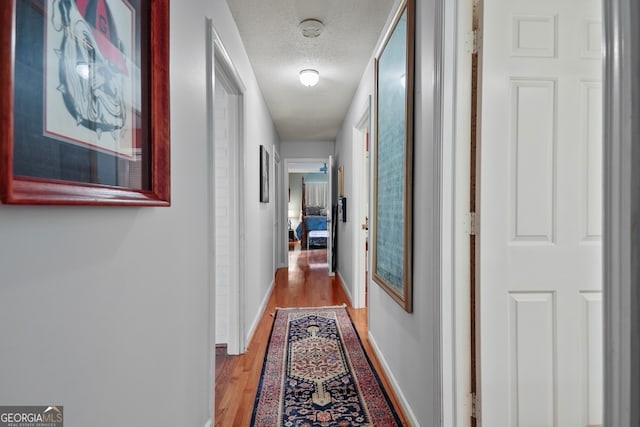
(621, 207)
(281, 242)
(330, 218)
(227, 73)
(285, 201)
(211, 211)
(360, 129)
(452, 106)
(455, 282)
(286, 188)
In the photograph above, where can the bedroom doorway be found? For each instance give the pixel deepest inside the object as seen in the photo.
(309, 210)
(227, 155)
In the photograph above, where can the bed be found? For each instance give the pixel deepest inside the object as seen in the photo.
(312, 230)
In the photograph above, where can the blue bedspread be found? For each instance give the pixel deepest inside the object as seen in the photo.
(312, 223)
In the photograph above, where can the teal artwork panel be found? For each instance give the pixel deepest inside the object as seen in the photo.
(391, 155)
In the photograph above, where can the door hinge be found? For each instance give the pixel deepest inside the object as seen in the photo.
(474, 41)
(473, 224)
(475, 406)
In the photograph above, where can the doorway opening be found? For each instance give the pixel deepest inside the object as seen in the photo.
(226, 112)
(309, 211)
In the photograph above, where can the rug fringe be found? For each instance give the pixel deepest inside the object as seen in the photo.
(343, 305)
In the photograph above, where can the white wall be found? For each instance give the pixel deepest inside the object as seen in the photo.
(407, 343)
(106, 310)
(306, 149)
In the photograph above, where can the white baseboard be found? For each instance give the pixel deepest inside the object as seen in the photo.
(346, 290)
(263, 306)
(396, 388)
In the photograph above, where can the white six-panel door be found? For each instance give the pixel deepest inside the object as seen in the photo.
(540, 300)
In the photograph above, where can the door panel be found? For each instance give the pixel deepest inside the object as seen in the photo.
(540, 214)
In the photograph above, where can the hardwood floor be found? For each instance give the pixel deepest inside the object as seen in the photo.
(305, 284)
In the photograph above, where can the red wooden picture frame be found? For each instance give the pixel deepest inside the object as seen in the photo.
(152, 129)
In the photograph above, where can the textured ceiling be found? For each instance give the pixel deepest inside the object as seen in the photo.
(278, 51)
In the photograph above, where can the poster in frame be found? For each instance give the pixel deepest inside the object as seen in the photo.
(342, 209)
(264, 175)
(84, 102)
(393, 159)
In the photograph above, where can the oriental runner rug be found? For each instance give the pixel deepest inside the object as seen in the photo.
(316, 373)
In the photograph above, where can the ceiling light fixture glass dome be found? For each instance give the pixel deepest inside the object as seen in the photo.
(309, 77)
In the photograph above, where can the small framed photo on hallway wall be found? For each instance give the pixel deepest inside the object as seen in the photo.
(342, 209)
(264, 175)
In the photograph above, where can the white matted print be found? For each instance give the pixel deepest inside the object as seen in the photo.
(92, 86)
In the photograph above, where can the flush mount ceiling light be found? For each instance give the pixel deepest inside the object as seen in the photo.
(309, 77)
(311, 28)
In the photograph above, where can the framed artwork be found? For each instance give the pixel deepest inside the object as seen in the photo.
(84, 102)
(392, 188)
(342, 209)
(264, 175)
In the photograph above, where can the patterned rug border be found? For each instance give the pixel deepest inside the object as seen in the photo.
(325, 307)
(374, 373)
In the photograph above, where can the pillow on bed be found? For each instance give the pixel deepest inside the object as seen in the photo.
(314, 210)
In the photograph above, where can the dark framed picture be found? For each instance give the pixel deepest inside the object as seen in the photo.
(264, 175)
(84, 102)
(342, 209)
(393, 160)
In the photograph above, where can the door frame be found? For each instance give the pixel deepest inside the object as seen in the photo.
(361, 127)
(331, 221)
(453, 80)
(285, 179)
(210, 85)
(280, 243)
(222, 68)
(621, 203)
